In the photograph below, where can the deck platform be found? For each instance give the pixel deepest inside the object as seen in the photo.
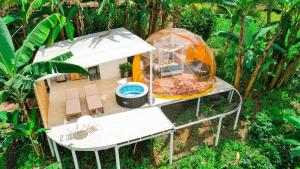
(106, 90)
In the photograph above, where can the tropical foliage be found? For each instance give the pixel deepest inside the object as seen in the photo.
(256, 46)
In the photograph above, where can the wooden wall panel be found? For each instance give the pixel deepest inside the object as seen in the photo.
(42, 98)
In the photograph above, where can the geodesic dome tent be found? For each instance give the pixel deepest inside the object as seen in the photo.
(183, 65)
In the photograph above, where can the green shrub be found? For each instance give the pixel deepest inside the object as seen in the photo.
(200, 21)
(201, 157)
(248, 157)
(261, 130)
(249, 106)
(267, 136)
(277, 152)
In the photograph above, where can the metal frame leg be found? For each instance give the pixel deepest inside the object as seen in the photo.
(117, 157)
(75, 159)
(219, 130)
(171, 147)
(151, 78)
(57, 154)
(50, 146)
(237, 117)
(230, 95)
(198, 106)
(98, 160)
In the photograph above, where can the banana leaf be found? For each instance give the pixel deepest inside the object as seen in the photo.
(36, 38)
(295, 152)
(4, 95)
(234, 37)
(7, 50)
(63, 57)
(293, 120)
(34, 5)
(43, 68)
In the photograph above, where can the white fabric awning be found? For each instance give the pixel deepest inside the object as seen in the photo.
(94, 49)
(116, 129)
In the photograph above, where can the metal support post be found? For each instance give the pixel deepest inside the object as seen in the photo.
(230, 95)
(198, 106)
(57, 154)
(50, 146)
(219, 130)
(151, 78)
(117, 157)
(171, 146)
(75, 159)
(237, 117)
(98, 160)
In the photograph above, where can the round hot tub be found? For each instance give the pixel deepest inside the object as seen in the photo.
(132, 94)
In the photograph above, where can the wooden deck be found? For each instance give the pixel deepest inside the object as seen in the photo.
(106, 90)
(57, 107)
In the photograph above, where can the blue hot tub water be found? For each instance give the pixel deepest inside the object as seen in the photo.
(131, 90)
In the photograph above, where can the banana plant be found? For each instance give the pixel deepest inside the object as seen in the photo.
(290, 15)
(139, 20)
(252, 43)
(294, 121)
(14, 130)
(233, 14)
(55, 5)
(17, 74)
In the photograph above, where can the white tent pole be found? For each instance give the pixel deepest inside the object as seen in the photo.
(98, 160)
(237, 117)
(219, 130)
(230, 95)
(50, 145)
(75, 159)
(151, 78)
(198, 106)
(57, 154)
(117, 157)
(171, 146)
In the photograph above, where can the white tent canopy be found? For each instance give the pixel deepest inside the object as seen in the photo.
(94, 49)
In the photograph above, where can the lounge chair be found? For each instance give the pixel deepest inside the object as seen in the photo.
(93, 100)
(72, 102)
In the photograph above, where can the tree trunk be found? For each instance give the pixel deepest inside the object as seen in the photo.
(175, 17)
(24, 111)
(24, 31)
(269, 12)
(151, 20)
(278, 72)
(260, 62)
(36, 147)
(285, 24)
(289, 72)
(80, 23)
(238, 74)
(157, 9)
(126, 19)
(164, 18)
(291, 40)
(228, 40)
